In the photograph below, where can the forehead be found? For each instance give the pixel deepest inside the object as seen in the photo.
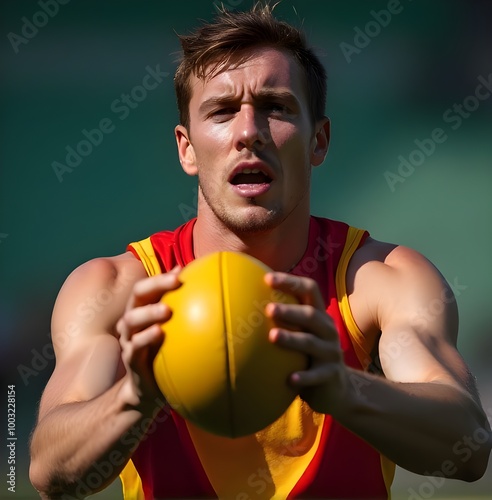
(255, 70)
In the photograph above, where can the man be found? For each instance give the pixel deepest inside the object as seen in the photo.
(251, 97)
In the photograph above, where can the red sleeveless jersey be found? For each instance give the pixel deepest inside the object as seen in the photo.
(304, 454)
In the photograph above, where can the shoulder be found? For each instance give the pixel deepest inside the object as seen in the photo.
(387, 281)
(119, 270)
(378, 257)
(95, 293)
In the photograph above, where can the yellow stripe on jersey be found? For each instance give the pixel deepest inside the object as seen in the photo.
(363, 345)
(147, 255)
(131, 483)
(267, 464)
(388, 469)
(130, 479)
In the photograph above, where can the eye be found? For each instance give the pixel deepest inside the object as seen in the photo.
(277, 109)
(224, 111)
(223, 114)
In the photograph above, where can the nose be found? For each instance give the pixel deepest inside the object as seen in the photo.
(250, 131)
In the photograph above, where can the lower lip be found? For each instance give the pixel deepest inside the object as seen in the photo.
(250, 190)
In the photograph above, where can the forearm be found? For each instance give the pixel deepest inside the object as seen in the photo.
(423, 427)
(82, 439)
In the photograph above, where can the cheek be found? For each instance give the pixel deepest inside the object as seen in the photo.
(211, 143)
(291, 134)
(293, 148)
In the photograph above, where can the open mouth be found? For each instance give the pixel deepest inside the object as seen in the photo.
(250, 176)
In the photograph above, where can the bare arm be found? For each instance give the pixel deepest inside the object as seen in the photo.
(105, 336)
(425, 414)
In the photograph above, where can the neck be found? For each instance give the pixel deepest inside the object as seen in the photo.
(280, 248)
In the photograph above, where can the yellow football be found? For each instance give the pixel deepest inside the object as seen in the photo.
(216, 366)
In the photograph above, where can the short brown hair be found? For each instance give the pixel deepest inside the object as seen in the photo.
(232, 32)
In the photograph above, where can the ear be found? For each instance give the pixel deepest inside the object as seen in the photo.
(321, 142)
(186, 151)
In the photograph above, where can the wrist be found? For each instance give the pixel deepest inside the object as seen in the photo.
(352, 398)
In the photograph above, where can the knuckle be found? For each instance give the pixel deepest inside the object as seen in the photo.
(127, 352)
(311, 312)
(121, 329)
(310, 285)
(126, 319)
(161, 310)
(139, 287)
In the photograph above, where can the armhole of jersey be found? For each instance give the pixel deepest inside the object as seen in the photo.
(145, 252)
(388, 470)
(362, 346)
(362, 350)
(131, 483)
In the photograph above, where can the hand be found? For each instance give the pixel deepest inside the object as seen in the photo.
(307, 328)
(141, 335)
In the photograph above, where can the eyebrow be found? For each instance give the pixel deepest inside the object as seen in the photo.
(280, 94)
(263, 95)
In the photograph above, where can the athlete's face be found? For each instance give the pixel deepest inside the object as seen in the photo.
(252, 142)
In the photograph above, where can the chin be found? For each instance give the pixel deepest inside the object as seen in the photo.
(252, 222)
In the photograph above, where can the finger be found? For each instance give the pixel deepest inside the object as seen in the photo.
(151, 290)
(151, 337)
(138, 319)
(146, 342)
(302, 317)
(309, 378)
(304, 289)
(309, 344)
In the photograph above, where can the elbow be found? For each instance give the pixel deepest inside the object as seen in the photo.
(47, 485)
(476, 469)
(39, 479)
(472, 474)
(474, 463)
(466, 460)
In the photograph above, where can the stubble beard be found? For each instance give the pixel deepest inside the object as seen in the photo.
(240, 223)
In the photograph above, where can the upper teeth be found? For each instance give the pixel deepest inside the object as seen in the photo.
(251, 171)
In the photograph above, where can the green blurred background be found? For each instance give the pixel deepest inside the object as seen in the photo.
(65, 77)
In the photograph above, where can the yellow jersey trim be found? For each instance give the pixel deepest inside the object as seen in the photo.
(147, 255)
(267, 464)
(131, 483)
(360, 343)
(363, 346)
(388, 469)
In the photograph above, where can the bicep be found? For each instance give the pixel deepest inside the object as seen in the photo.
(419, 325)
(88, 355)
(90, 369)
